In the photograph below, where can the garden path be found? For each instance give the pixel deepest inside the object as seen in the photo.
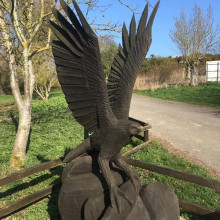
(191, 128)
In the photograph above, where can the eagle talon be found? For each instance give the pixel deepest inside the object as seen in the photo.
(134, 183)
(116, 196)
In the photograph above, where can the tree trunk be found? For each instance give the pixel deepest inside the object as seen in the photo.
(21, 140)
(188, 73)
(194, 76)
(11, 61)
(19, 151)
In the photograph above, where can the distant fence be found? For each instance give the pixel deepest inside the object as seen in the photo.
(213, 71)
(186, 205)
(7, 106)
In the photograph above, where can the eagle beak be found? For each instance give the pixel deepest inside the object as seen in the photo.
(145, 127)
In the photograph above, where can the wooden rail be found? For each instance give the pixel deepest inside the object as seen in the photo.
(146, 132)
(135, 149)
(27, 200)
(198, 209)
(202, 181)
(32, 170)
(7, 104)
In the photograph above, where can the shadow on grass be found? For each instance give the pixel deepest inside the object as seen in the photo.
(14, 120)
(53, 209)
(134, 142)
(25, 185)
(49, 115)
(56, 93)
(42, 159)
(52, 172)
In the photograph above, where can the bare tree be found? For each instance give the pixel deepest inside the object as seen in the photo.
(217, 48)
(45, 74)
(24, 24)
(194, 37)
(108, 50)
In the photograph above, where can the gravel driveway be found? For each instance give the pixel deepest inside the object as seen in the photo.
(187, 127)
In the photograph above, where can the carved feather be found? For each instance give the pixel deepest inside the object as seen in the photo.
(80, 72)
(79, 69)
(127, 63)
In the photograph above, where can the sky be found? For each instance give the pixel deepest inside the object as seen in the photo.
(161, 45)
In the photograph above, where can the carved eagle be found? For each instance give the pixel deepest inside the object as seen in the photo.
(100, 108)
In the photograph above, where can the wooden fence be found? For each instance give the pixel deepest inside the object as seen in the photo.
(7, 106)
(186, 205)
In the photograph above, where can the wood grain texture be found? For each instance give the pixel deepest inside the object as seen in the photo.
(202, 181)
(27, 200)
(30, 171)
(127, 62)
(79, 69)
(199, 210)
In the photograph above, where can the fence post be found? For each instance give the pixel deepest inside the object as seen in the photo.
(217, 70)
(146, 135)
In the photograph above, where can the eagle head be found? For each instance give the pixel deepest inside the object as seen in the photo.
(134, 128)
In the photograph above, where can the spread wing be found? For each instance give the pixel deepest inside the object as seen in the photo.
(79, 69)
(127, 63)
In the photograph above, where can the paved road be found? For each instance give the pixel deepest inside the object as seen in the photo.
(191, 128)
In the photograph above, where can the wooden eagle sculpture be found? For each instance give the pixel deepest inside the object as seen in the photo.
(101, 109)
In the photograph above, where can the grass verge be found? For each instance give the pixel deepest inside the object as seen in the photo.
(4, 99)
(207, 94)
(54, 132)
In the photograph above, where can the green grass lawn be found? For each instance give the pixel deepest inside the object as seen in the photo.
(54, 132)
(205, 94)
(4, 99)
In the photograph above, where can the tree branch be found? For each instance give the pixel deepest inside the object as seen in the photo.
(43, 48)
(29, 16)
(16, 26)
(129, 6)
(37, 27)
(11, 59)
